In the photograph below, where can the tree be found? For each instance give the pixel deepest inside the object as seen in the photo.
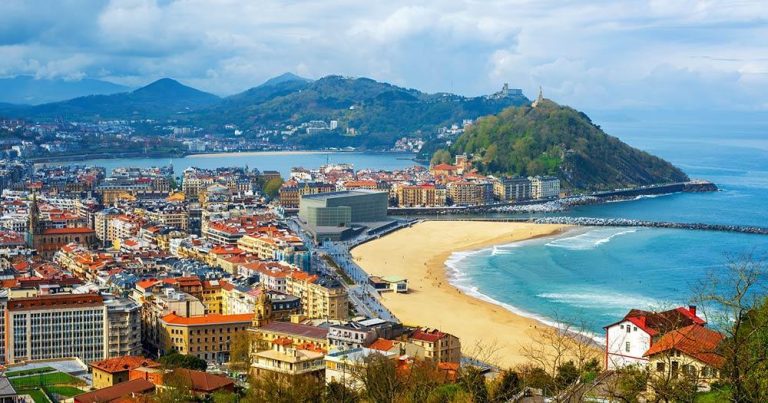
(735, 301)
(472, 380)
(627, 384)
(378, 375)
(441, 156)
(506, 386)
(567, 374)
(338, 392)
(178, 389)
(272, 187)
(420, 380)
(239, 352)
(278, 388)
(174, 360)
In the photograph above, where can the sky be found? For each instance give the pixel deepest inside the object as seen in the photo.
(592, 54)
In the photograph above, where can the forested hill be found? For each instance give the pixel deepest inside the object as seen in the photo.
(558, 140)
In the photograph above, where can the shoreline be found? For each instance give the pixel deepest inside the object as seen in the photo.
(434, 301)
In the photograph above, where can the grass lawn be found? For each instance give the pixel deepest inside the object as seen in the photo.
(715, 396)
(52, 378)
(37, 395)
(29, 371)
(67, 391)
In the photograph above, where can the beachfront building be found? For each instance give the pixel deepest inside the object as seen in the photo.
(544, 187)
(517, 188)
(692, 351)
(426, 195)
(438, 346)
(330, 216)
(470, 193)
(627, 340)
(56, 326)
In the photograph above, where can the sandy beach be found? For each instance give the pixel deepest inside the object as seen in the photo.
(419, 254)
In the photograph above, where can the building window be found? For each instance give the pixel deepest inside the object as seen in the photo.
(626, 347)
(660, 367)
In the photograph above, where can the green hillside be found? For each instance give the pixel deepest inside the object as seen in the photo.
(378, 112)
(557, 140)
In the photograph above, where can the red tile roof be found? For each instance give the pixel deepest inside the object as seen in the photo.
(63, 231)
(55, 301)
(382, 345)
(655, 323)
(114, 393)
(429, 335)
(126, 363)
(695, 341)
(200, 381)
(209, 319)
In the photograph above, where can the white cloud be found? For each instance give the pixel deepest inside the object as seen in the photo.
(591, 54)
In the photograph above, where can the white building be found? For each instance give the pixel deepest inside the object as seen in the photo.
(56, 326)
(344, 366)
(544, 187)
(627, 340)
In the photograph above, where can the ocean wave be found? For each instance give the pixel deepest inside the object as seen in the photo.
(590, 239)
(600, 299)
(458, 278)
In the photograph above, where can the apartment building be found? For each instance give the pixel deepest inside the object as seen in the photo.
(544, 187)
(319, 299)
(426, 195)
(56, 326)
(124, 333)
(465, 193)
(517, 188)
(438, 346)
(287, 359)
(205, 336)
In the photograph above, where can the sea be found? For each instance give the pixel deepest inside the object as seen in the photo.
(592, 276)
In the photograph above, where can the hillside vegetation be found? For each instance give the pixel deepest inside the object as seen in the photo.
(551, 139)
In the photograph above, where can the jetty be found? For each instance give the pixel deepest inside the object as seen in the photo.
(611, 222)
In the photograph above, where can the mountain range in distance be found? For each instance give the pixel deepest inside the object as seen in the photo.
(369, 114)
(28, 90)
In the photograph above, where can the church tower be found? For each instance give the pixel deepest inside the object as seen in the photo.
(263, 309)
(33, 230)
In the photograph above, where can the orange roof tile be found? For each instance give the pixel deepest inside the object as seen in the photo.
(209, 319)
(695, 341)
(126, 363)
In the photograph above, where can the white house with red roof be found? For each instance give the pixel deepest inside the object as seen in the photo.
(627, 340)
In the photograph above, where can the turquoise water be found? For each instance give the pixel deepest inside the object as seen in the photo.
(594, 276)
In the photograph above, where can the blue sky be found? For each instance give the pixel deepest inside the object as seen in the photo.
(591, 54)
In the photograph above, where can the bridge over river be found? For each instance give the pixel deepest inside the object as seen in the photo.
(616, 222)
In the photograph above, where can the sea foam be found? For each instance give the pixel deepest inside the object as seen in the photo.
(590, 239)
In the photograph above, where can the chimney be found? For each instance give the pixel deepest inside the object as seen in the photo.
(692, 309)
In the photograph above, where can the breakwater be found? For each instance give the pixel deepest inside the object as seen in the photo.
(624, 222)
(615, 222)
